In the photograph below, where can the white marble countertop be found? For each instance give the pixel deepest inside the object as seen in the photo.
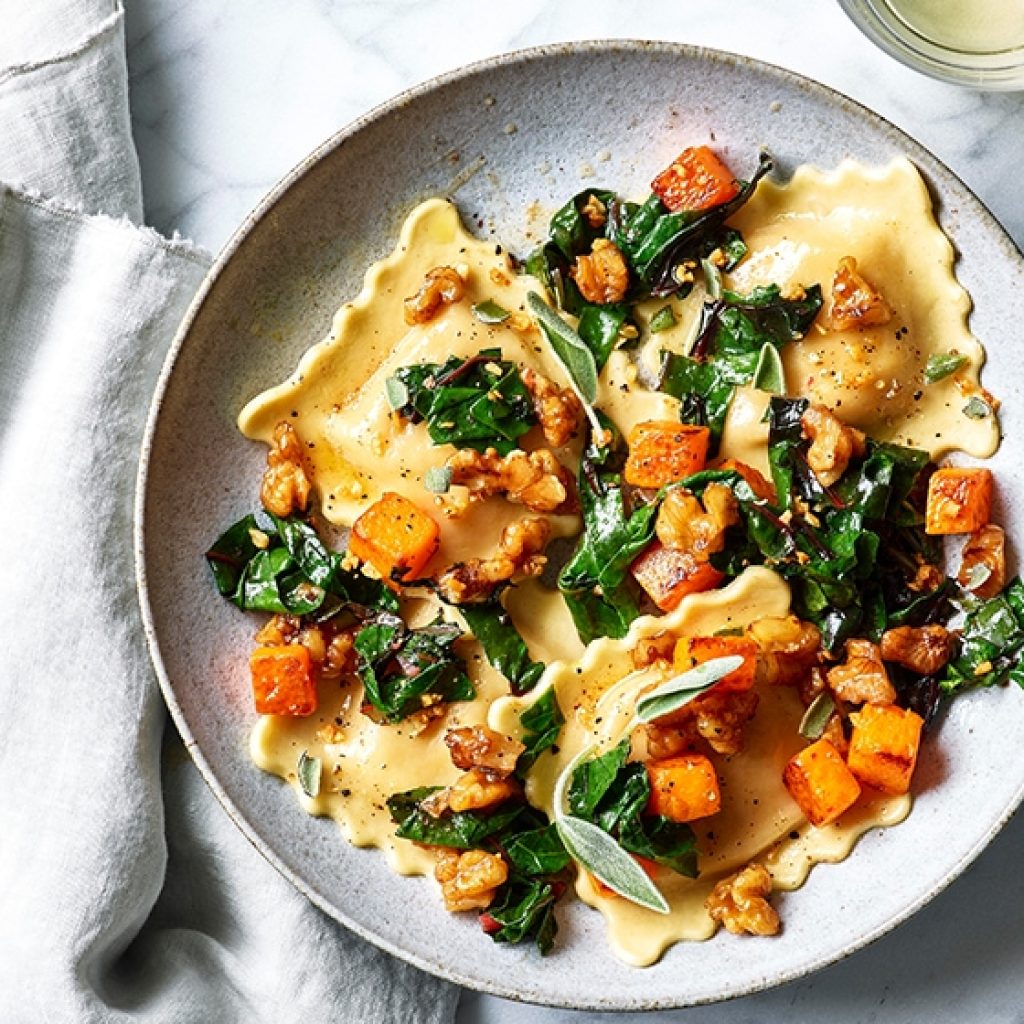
(227, 96)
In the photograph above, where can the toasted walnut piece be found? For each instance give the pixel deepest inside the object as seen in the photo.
(479, 788)
(789, 649)
(477, 746)
(279, 629)
(469, 880)
(862, 678)
(595, 212)
(341, 656)
(558, 410)
(286, 485)
(684, 524)
(922, 649)
(654, 742)
(833, 444)
(927, 578)
(652, 649)
(855, 303)
(519, 554)
(740, 903)
(985, 550)
(441, 287)
(534, 479)
(602, 277)
(717, 718)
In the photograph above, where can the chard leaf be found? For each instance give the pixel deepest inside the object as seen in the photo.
(591, 779)
(542, 723)
(503, 645)
(655, 241)
(602, 856)
(457, 830)
(309, 773)
(399, 666)
(600, 328)
(479, 402)
(539, 852)
(595, 582)
(524, 909)
(571, 351)
(681, 689)
(668, 843)
(290, 571)
(941, 364)
(991, 647)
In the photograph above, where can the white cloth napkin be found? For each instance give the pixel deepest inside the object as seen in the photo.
(126, 894)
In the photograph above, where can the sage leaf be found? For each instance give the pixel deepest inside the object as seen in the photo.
(976, 408)
(664, 319)
(681, 689)
(569, 348)
(397, 392)
(712, 279)
(941, 365)
(309, 771)
(816, 717)
(438, 479)
(596, 851)
(769, 374)
(489, 312)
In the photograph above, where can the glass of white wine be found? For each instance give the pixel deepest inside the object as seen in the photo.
(978, 43)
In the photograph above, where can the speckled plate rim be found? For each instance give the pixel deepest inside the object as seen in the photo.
(684, 51)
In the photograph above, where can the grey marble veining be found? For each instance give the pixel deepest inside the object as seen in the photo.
(227, 96)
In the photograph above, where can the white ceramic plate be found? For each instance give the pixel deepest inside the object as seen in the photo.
(498, 136)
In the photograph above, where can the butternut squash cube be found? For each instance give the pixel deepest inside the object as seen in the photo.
(820, 782)
(662, 452)
(282, 680)
(668, 575)
(884, 746)
(695, 650)
(683, 788)
(959, 500)
(396, 537)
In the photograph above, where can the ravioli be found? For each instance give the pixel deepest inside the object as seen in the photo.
(337, 402)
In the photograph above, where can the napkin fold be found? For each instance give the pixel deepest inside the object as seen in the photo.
(126, 893)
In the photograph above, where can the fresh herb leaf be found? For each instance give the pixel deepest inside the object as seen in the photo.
(309, 772)
(976, 408)
(397, 392)
(489, 312)
(816, 717)
(663, 320)
(438, 479)
(542, 723)
(503, 645)
(769, 374)
(681, 689)
(602, 856)
(400, 666)
(479, 402)
(942, 364)
(571, 351)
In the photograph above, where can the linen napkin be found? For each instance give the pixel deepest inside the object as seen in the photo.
(126, 894)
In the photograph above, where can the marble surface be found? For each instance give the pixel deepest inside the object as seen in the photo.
(228, 96)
